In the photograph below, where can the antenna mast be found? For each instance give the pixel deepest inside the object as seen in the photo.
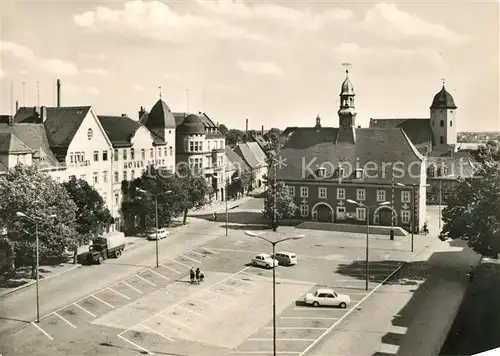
(24, 92)
(187, 101)
(38, 93)
(11, 97)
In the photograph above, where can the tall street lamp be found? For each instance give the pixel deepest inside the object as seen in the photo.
(412, 207)
(156, 218)
(367, 257)
(37, 254)
(441, 177)
(274, 243)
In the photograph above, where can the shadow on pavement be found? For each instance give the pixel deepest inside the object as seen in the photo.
(238, 217)
(18, 320)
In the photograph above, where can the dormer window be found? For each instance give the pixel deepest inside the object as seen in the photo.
(321, 172)
(358, 173)
(431, 172)
(341, 172)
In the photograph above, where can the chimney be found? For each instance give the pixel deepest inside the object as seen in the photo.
(11, 120)
(124, 115)
(58, 93)
(36, 111)
(17, 105)
(43, 114)
(142, 111)
(246, 126)
(262, 130)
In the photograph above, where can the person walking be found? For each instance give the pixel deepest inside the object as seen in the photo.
(197, 273)
(191, 275)
(202, 277)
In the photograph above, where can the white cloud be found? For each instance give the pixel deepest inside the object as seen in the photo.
(52, 65)
(388, 21)
(157, 20)
(260, 67)
(96, 71)
(75, 89)
(277, 13)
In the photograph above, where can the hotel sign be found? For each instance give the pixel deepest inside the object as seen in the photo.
(143, 164)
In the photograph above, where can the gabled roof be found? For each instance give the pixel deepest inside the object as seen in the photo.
(308, 149)
(11, 144)
(160, 117)
(418, 130)
(235, 159)
(461, 164)
(121, 129)
(258, 153)
(249, 151)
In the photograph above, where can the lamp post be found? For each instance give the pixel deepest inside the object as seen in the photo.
(275, 193)
(274, 243)
(440, 202)
(156, 219)
(412, 216)
(37, 263)
(367, 256)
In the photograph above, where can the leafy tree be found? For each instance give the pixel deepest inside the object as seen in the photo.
(278, 198)
(223, 129)
(195, 190)
(233, 137)
(272, 137)
(25, 189)
(92, 215)
(473, 211)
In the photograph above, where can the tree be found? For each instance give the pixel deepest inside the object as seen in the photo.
(195, 188)
(233, 137)
(25, 189)
(92, 215)
(473, 211)
(223, 129)
(272, 137)
(285, 206)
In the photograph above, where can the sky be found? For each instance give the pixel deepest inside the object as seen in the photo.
(277, 63)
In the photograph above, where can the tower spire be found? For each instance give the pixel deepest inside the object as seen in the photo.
(160, 87)
(346, 65)
(443, 80)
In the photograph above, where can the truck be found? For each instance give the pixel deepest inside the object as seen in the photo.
(109, 246)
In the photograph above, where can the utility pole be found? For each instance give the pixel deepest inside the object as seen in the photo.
(24, 92)
(38, 93)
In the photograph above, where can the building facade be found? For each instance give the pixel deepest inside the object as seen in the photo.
(255, 158)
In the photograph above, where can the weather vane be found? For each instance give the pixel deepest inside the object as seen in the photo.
(346, 65)
(161, 88)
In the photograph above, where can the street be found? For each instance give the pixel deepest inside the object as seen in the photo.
(126, 306)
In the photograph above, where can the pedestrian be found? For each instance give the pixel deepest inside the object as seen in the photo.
(191, 275)
(472, 274)
(202, 277)
(197, 273)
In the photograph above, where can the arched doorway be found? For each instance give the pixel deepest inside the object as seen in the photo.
(322, 212)
(382, 216)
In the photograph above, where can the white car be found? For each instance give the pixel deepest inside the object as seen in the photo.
(264, 260)
(162, 233)
(327, 297)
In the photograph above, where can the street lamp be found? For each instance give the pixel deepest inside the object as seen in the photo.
(412, 207)
(37, 254)
(156, 218)
(274, 243)
(367, 257)
(441, 177)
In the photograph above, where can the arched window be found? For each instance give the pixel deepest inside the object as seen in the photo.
(431, 171)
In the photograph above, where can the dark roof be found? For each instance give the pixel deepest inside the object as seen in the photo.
(179, 117)
(443, 99)
(9, 143)
(347, 87)
(459, 164)
(4, 119)
(160, 116)
(192, 124)
(313, 148)
(121, 129)
(418, 130)
(235, 159)
(61, 124)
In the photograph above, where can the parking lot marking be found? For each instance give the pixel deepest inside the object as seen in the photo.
(85, 310)
(255, 275)
(266, 352)
(182, 325)
(192, 259)
(197, 253)
(193, 312)
(234, 288)
(211, 251)
(157, 333)
(308, 317)
(159, 275)
(282, 339)
(294, 328)
(170, 268)
(221, 294)
(65, 320)
(349, 280)
(43, 331)
(131, 287)
(102, 301)
(118, 293)
(145, 280)
(216, 306)
(134, 344)
(182, 264)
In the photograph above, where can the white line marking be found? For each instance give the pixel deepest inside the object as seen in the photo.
(197, 253)
(182, 264)
(102, 301)
(65, 320)
(211, 251)
(308, 317)
(214, 305)
(245, 280)
(266, 352)
(318, 308)
(85, 310)
(43, 331)
(157, 333)
(322, 336)
(348, 280)
(294, 328)
(192, 259)
(221, 294)
(256, 275)
(170, 268)
(234, 288)
(282, 339)
(175, 322)
(159, 275)
(145, 280)
(133, 344)
(118, 293)
(193, 312)
(131, 287)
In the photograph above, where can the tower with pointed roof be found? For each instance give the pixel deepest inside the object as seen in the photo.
(347, 111)
(443, 119)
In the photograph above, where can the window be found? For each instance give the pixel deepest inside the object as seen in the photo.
(143, 154)
(304, 210)
(361, 213)
(360, 194)
(124, 151)
(117, 198)
(115, 154)
(151, 153)
(451, 123)
(358, 173)
(132, 154)
(322, 172)
(170, 151)
(95, 178)
(159, 151)
(322, 193)
(116, 177)
(380, 195)
(431, 171)
(291, 191)
(405, 196)
(165, 152)
(132, 174)
(341, 172)
(125, 175)
(96, 156)
(441, 123)
(105, 176)
(340, 193)
(441, 139)
(71, 158)
(341, 212)
(191, 146)
(105, 155)
(89, 134)
(304, 192)
(405, 216)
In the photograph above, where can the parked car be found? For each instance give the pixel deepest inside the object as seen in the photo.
(327, 297)
(286, 258)
(162, 233)
(264, 260)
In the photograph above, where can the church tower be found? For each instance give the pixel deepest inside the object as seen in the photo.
(443, 119)
(347, 112)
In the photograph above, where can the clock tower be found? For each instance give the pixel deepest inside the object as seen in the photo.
(347, 112)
